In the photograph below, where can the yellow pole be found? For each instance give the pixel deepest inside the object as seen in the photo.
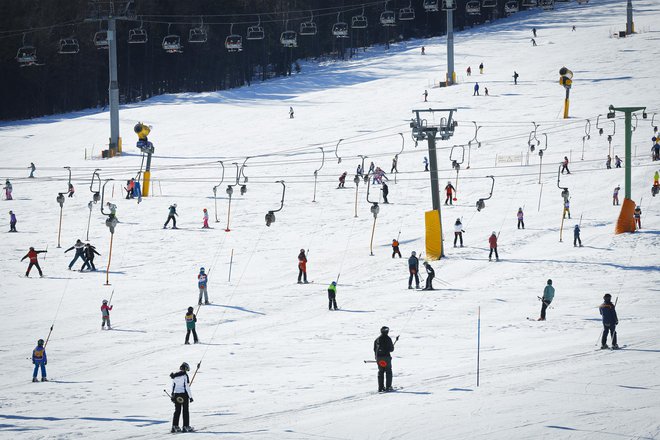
(146, 180)
(107, 270)
(566, 103)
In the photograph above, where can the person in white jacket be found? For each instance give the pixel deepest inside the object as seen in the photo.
(458, 231)
(181, 396)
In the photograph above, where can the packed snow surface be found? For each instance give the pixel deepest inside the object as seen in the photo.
(275, 363)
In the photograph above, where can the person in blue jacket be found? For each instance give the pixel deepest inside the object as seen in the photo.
(202, 281)
(610, 321)
(39, 360)
(137, 191)
(413, 268)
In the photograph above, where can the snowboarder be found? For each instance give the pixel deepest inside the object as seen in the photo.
(449, 190)
(71, 190)
(105, 315)
(548, 296)
(610, 321)
(171, 216)
(515, 77)
(492, 242)
(430, 274)
(342, 180)
(383, 347)
(386, 191)
(567, 208)
(332, 295)
(617, 161)
(577, 241)
(476, 89)
(481, 68)
(521, 218)
(202, 281)
(608, 162)
(534, 32)
(564, 166)
(637, 215)
(88, 258)
(534, 43)
(290, 112)
(191, 319)
(426, 95)
(302, 267)
(205, 219)
(32, 169)
(39, 359)
(426, 163)
(469, 71)
(395, 162)
(8, 189)
(413, 268)
(458, 232)
(79, 246)
(12, 222)
(181, 397)
(615, 195)
(32, 255)
(395, 248)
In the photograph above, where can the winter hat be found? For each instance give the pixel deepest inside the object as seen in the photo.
(384, 329)
(190, 309)
(201, 269)
(334, 283)
(550, 282)
(413, 253)
(204, 209)
(607, 297)
(494, 233)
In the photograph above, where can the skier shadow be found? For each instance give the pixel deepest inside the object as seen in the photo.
(232, 432)
(641, 349)
(421, 393)
(568, 428)
(651, 268)
(96, 419)
(70, 381)
(461, 389)
(242, 309)
(356, 311)
(128, 331)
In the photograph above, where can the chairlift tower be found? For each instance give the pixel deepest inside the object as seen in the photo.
(444, 130)
(111, 11)
(451, 74)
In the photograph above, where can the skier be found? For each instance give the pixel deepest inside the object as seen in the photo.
(171, 216)
(290, 112)
(567, 208)
(130, 185)
(181, 397)
(615, 195)
(332, 295)
(610, 321)
(486, 91)
(576, 236)
(191, 319)
(458, 231)
(386, 191)
(372, 167)
(358, 171)
(534, 43)
(492, 242)
(534, 32)
(548, 296)
(637, 215)
(426, 163)
(39, 359)
(413, 268)
(202, 281)
(383, 347)
(32, 169)
(12, 222)
(32, 255)
(481, 68)
(656, 149)
(656, 179)
(608, 162)
(521, 218)
(342, 180)
(573, 28)
(88, 258)
(476, 89)
(430, 274)
(469, 71)
(423, 50)
(426, 95)
(205, 219)
(8, 189)
(395, 162)
(71, 190)
(105, 314)
(79, 246)
(617, 161)
(515, 77)
(564, 166)
(449, 189)
(395, 248)
(302, 267)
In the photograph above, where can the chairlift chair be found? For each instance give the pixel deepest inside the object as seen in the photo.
(289, 39)
(548, 4)
(172, 44)
(308, 28)
(449, 4)
(408, 13)
(255, 32)
(473, 7)
(431, 5)
(340, 28)
(233, 42)
(101, 40)
(359, 21)
(137, 36)
(387, 17)
(198, 35)
(581, 2)
(529, 3)
(511, 7)
(68, 46)
(489, 4)
(26, 56)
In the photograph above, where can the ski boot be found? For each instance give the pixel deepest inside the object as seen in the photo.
(410, 287)
(417, 286)
(175, 429)
(188, 429)
(306, 282)
(187, 343)
(389, 389)
(299, 282)
(206, 303)
(604, 347)
(43, 379)
(34, 379)
(615, 347)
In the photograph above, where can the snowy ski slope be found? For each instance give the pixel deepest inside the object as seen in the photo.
(275, 364)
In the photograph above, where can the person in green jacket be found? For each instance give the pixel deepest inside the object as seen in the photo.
(332, 294)
(548, 296)
(191, 319)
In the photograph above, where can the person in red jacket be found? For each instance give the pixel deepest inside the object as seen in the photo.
(302, 267)
(492, 241)
(105, 314)
(32, 255)
(449, 189)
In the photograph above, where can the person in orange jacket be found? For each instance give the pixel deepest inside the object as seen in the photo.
(395, 248)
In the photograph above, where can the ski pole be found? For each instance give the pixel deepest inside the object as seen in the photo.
(369, 362)
(46, 253)
(168, 394)
(395, 340)
(195, 373)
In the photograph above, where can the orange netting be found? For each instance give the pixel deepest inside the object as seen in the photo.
(626, 221)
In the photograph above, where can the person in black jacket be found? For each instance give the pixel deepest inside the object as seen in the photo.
(79, 247)
(383, 346)
(430, 274)
(88, 257)
(386, 191)
(610, 321)
(413, 268)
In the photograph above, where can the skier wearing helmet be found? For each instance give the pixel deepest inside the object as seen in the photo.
(105, 314)
(202, 281)
(383, 347)
(302, 267)
(332, 295)
(171, 216)
(39, 360)
(413, 268)
(206, 219)
(181, 397)
(449, 190)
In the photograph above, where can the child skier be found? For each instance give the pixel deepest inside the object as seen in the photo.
(430, 274)
(426, 95)
(32, 169)
(521, 218)
(332, 295)
(615, 195)
(564, 166)
(88, 258)
(342, 180)
(71, 190)
(492, 242)
(608, 162)
(302, 267)
(617, 161)
(426, 163)
(481, 68)
(548, 296)
(171, 216)
(8, 189)
(202, 281)
(610, 321)
(181, 397)
(386, 190)
(12, 221)
(105, 314)
(39, 360)
(637, 215)
(476, 89)
(395, 248)
(576, 236)
(383, 348)
(191, 319)
(567, 208)
(32, 255)
(206, 219)
(458, 231)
